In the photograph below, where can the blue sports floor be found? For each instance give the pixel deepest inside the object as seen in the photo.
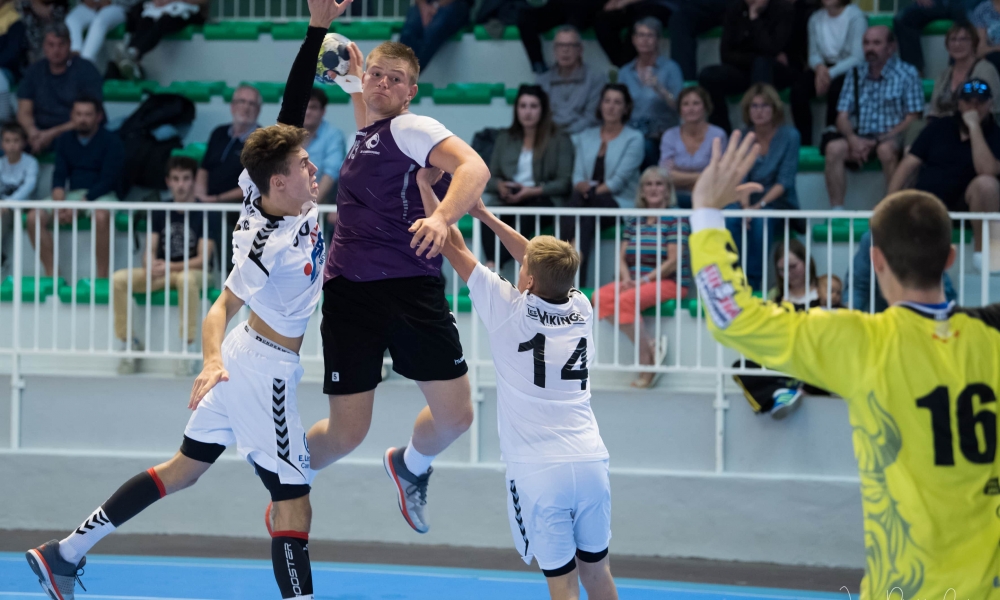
(152, 578)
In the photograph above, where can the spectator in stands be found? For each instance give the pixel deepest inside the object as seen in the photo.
(97, 17)
(221, 167)
(776, 170)
(13, 48)
(692, 19)
(532, 165)
(831, 291)
(18, 169)
(326, 148)
(534, 20)
(622, 15)
(89, 162)
(654, 82)
(909, 24)
(961, 42)
(639, 252)
(956, 159)
(986, 19)
(37, 16)
(605, 170)
(184, 227)
(429, 24)
(835, 47)
(49, 88)
(800, 293)
(685, 150)
(147, 24)
(754, 46)
(574, 89)
(890, 96)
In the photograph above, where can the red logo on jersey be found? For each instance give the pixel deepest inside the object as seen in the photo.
(308, 269)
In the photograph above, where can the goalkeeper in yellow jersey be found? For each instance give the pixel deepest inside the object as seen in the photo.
(920, 381)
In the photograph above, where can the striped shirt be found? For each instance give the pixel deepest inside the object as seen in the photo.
(641, 239)
(885, 101)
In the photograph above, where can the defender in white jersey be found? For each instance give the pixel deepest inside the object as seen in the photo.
(246, 393)
(541, 334)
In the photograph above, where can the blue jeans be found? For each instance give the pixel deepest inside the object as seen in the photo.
(861, 290)
(755, 244)
(910, 22)
(426, 41)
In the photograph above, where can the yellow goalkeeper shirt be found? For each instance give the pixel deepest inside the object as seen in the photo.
(920, 384)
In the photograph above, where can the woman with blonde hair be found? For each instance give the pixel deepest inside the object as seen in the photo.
(649, 270)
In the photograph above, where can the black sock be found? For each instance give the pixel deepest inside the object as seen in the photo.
(134, 497)
(290, 558)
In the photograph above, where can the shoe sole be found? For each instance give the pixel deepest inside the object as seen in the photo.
(44, 574)
(786, 410)
(400, 493)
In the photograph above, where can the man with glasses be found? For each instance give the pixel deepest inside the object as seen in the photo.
(543, 16)
(574, 89)
(221, 167)
(955, 158)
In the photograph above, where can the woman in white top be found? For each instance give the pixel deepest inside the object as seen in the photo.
(531, 166)
(961, 43)
(835, 35)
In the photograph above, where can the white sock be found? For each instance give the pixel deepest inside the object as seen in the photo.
(77, 544)
(417, 463)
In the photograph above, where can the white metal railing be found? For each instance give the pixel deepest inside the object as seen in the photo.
(392, 10)
(61, 324)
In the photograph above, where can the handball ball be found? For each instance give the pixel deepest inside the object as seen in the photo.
(334, 58)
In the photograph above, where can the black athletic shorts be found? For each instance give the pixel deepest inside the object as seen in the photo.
(410, 316)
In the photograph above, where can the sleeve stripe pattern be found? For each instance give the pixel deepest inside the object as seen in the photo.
(257, 249)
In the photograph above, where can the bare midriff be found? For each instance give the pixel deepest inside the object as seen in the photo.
(258, 325)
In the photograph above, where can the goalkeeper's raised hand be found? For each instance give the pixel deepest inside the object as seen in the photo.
(323, 12)
(720, 183)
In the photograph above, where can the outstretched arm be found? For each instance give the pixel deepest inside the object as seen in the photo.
(213, 330)
(805, 345)
(300, 79)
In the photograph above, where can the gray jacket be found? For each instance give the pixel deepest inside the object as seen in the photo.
(622, 160)
(574, 99)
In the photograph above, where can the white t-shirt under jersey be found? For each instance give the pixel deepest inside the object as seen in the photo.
(541, 351)
(277, 263)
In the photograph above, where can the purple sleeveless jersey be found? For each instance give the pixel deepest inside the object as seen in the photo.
(378, 200)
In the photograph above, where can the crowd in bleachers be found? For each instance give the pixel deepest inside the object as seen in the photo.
(637, 136)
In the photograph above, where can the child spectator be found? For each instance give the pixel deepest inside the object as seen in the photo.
(181, 172)
(831, 291)
(18, 171)
(801, 294)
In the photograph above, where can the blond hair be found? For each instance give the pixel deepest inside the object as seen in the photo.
(553, 264)
(397, 51)
(651, 173)
(773, 98)
(266, 152)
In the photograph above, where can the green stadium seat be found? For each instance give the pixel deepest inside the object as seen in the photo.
(116, 90)
(367, 30)
(196, 91)
(293, 30)
(510, 33)
(465, 226)
(45, 288)
(138, 218)
(159, 297)
(811, 161)
(464, 303)
(194, 150)
(668, 308)
(839, 229)
(468, 93)
(83, 291)
(424, 90)
(235, 30)
(82, 222)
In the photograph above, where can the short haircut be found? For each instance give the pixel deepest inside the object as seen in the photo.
(699, 91)
(890, 37)
(247, 86)
(319, 96)
(913, 231)
(650, 23)
(967, 27)
(568, 29)
(772, 97)
(84, 99)
(397, 51)
(15, 128)
(57, 29)
(553, 264)
(266, 152)
(623, 90)
(822, 280)
(656, 172)
(182, 163)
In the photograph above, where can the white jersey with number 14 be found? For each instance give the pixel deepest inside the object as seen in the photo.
(541, 351)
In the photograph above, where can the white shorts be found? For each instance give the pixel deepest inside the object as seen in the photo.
(256, 409)
(557, 508)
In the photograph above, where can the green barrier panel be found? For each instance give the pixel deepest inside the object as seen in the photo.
(83, 290)
(45, 288)
(464, 303)
(158, 298)
(457, 95)
(465, 226)
(194, 150)
(367, 30)
(510, 33)
(82, 222)
(840, 230)
(234, 30)
(294, 30)
(138, 225)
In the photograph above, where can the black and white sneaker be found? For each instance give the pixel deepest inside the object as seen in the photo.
(411, 491)
(56, 575)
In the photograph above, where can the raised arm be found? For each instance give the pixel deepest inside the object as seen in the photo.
(805, 345)
(300, 78)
